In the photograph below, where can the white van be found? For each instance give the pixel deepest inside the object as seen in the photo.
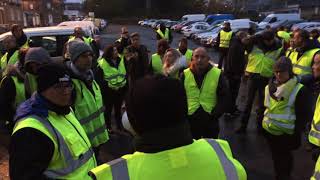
(241, 24)
(278, 19)
(193, 17)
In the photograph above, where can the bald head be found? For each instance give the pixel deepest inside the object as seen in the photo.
(200, 59)
(202, 51)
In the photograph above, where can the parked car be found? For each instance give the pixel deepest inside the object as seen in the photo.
(198, 36)
(50, 38)
(194, 24)
(242, 24)
(218, 17)
(278, 18)
(84, 24)
(148, 22)
(169, 24)
(101, 24)
(193, 17)
(193, 28)
(210, 29)
(309, 26)
(157, 23)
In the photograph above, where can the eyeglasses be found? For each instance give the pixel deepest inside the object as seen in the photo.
(126, 32)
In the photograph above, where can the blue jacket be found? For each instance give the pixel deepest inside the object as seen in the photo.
(36, 105)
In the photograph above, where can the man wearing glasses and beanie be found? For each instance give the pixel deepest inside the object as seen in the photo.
(48, 142)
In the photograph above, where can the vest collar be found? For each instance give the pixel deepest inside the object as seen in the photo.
(283, 91)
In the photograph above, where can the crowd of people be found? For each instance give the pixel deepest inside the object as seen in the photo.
(57, 115)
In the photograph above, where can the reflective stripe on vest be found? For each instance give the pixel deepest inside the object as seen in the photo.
(302, 66)
(12, 60)
(165, 35)
(71, 163)
(261, 63)
(20, 92)
(225, 38)
(279, 117)
(206, 96)
(89, 110)
(116, 77)
(316, 174)
(314, 135)
(119, 167)
(156, 63)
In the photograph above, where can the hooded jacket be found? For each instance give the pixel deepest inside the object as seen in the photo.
(30, 141)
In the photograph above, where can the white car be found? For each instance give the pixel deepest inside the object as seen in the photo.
(241, 24)
(194, 28)
(194, 23)
(207, 35)
(309, 26)
(83, 24)
(148, 22)
(50, 38)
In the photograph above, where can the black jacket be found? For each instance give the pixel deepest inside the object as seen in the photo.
(304, 115)
(216, 45)
(137, 67)
(7, 97)
(236, 60)
(223, 93)
(22, 40)
(164, 31)
(313, 85)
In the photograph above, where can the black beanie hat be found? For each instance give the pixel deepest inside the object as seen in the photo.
(156, 102)
(51, 74)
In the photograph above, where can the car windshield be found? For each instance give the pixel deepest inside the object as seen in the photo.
(267, 19)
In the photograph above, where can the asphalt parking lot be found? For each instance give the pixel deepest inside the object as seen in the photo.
(250, 149)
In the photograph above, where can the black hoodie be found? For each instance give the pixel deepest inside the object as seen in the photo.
(22, 40)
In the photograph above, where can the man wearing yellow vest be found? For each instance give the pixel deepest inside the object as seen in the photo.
(164, 33)
(156, 63)
(35, 57)
(21, 38)
(288, 109)
(165, 150)
(207, 94)
(314, 136)
(183, 49)
(304, 52)
(223, 42)
(124, 39)
(11, 55)
(111, 75)
(80, 36)
(48, 142)
(12, 94)
(263, 51)
(88, 104)
(12, 91)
